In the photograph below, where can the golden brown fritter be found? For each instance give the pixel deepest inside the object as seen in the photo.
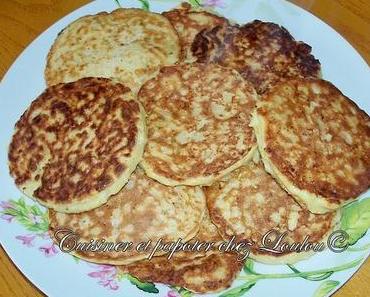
(315, 141)
(198, 119)
(212, 273)
(248, 203)
(200, 272)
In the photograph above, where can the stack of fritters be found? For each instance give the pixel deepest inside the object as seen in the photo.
(143, 110)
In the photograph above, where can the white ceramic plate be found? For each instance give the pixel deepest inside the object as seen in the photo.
(23, 223)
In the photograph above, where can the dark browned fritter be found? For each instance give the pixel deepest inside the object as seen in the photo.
(75, 141)
(263, 53)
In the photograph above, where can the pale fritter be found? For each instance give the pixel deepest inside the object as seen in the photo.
(127, 44)
(143, 210)
(248, 203)
(263, 53)
(188, 22)
(198, 272)
(77, 144)
(315, 141)
(198, 120)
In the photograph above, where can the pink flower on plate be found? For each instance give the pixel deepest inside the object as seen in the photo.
(104, 272)
(214, 3)
(7, 217)
(6, 205)
(106, 275)
(110, 284)
(173, 294)
(26, 239)
(49, 250)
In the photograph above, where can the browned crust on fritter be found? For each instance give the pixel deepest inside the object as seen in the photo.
(338, 168)
(61, 110)
(216, 272)
(257, 217)
(184, 19)
(263, 53)
(175, 93)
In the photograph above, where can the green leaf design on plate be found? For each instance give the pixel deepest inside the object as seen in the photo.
(30, 216)
(248, 266)
(182, 291)
(117, 2)
(144, 286)
(195, 3)
(252, 277)
(238, 291)
(318, 277)
(76, 259)
(342, 267)
(355, 219)
(145, 4)
(325, 288)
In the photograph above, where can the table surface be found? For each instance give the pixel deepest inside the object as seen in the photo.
(23, 21)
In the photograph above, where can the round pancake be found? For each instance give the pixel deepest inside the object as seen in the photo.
(127, 44)
(315, 142)
(77, 144)
(212, 273)
(143, 210)
(199, 272)
(198, 119)
(188, 22)
(263, 53)
(248, 203)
